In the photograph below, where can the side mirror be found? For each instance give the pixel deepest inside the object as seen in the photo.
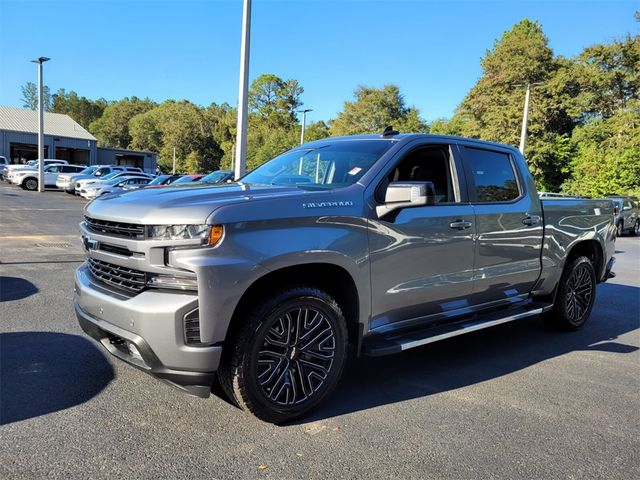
(98, 174)
(407, 194)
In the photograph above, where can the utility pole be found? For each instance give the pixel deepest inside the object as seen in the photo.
(243, 93)
(40, 61)
(525, 115)
(304, 122)
(173, 171)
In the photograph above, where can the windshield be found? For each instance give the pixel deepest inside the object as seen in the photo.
(109, 176)
(89, 170)
(159, 180)
(334, 165)
(185, 179)
(214, 177)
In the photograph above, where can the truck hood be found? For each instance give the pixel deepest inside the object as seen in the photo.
(185, 204)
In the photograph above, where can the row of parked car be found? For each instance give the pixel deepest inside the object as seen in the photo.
(92, 181)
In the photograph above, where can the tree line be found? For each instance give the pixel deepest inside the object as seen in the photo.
(584, 118)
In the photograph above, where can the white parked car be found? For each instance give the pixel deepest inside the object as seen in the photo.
(30, 165)
(115, 185)
(28, 179)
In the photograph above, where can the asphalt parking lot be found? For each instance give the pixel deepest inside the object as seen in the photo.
(515, 401)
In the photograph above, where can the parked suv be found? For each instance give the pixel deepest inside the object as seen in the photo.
(627, 216)
(384, 243)
(30, 165)
(28, 179)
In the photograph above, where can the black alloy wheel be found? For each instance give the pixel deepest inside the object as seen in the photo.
(287, 356)
(575, 297)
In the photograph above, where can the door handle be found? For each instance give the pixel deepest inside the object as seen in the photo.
(460, 225)
(531, 220)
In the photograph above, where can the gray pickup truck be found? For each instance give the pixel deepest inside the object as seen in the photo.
(375, 244)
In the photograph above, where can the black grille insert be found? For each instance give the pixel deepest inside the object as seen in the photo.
(127, 279)
(128, 230)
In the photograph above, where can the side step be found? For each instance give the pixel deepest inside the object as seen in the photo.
(394, 342)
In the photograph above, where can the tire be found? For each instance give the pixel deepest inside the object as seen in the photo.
(619, 229)
(575, 297)
(276, 377)
(30, 184)
(636, 228)
(70, 192)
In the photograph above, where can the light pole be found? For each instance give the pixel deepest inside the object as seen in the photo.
(40, 61)
(243, 92)
(304, 122)
(525, 114)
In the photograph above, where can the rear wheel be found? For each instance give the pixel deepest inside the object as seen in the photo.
(576, 295)
(620, 229)
(636, 228)
(288, 355)
(30, 184)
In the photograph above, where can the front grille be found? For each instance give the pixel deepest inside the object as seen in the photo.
(128, 230)
(124, 278)
(192, 327)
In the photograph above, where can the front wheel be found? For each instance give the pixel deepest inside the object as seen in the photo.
(576, 295)
(636, 228)
(288, 355)
(30, 184)
(620, 229)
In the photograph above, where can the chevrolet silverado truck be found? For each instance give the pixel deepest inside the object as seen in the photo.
(369, 244)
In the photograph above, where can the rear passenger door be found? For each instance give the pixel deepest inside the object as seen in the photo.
(508, 224)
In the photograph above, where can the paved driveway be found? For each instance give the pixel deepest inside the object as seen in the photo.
(516, 401)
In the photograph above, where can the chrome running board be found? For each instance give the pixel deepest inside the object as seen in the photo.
(394, 342)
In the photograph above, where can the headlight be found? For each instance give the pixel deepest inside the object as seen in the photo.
(208, 235)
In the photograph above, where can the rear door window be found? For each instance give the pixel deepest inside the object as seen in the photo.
(493, 178)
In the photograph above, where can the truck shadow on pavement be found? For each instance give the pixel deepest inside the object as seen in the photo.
(44, 372)
(15, 288)
(480, 356)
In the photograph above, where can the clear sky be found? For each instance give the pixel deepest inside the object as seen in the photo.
(190, 49)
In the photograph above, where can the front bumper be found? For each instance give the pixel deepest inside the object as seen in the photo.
(153, 322)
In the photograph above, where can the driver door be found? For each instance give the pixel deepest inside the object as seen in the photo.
(422, 257)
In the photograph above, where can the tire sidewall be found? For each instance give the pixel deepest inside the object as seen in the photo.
(561, 305)
(264, 407)
(620, 229)
(636, 228)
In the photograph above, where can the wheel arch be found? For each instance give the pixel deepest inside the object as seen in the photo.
(333, 279)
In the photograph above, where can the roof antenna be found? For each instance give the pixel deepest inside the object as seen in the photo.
(389, 131)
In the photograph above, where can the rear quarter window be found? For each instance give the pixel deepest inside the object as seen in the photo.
(492, 176)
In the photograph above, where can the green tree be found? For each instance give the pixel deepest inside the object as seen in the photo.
(30, 96)
(275, 100)
(607, 159)
(373, 110)
(602, 79)
(182, 126)
(81, 109)
(112, 128)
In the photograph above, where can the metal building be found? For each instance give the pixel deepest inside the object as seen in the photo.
(64, 139)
